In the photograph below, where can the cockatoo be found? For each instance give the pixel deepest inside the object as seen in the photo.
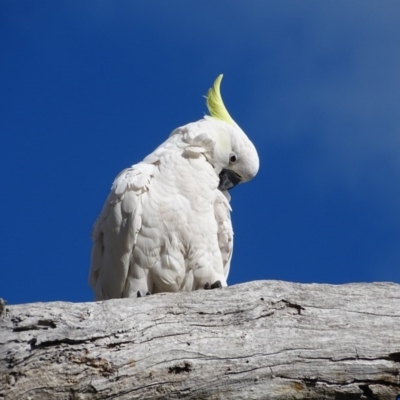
(166, 226)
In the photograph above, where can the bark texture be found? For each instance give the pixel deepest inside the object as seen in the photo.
(259, 340)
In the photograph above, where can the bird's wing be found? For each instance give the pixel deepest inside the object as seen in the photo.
(222, 210)
(115, 231)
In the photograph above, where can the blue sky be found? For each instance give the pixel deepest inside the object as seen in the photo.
(91, 87)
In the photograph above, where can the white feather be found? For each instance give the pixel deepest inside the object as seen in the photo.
(165, 226)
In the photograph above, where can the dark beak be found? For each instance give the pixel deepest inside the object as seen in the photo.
(228, 179)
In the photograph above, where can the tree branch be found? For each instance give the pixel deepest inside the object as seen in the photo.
(259, 340)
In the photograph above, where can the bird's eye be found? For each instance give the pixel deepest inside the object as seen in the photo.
(232, 158)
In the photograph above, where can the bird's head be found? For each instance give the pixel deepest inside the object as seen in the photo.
(234, 156)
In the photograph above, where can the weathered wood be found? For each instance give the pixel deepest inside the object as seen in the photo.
(259, 340)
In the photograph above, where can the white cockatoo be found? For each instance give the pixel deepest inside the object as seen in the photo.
(166, 226)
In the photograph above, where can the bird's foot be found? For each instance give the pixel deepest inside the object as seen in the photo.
(140, 294)
(215, 285)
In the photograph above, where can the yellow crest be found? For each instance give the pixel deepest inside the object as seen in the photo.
(215, 105)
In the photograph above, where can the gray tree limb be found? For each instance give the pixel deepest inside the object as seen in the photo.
(259, 340)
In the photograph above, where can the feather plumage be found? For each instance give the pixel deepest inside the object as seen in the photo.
(215, 105)
(166, 226)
